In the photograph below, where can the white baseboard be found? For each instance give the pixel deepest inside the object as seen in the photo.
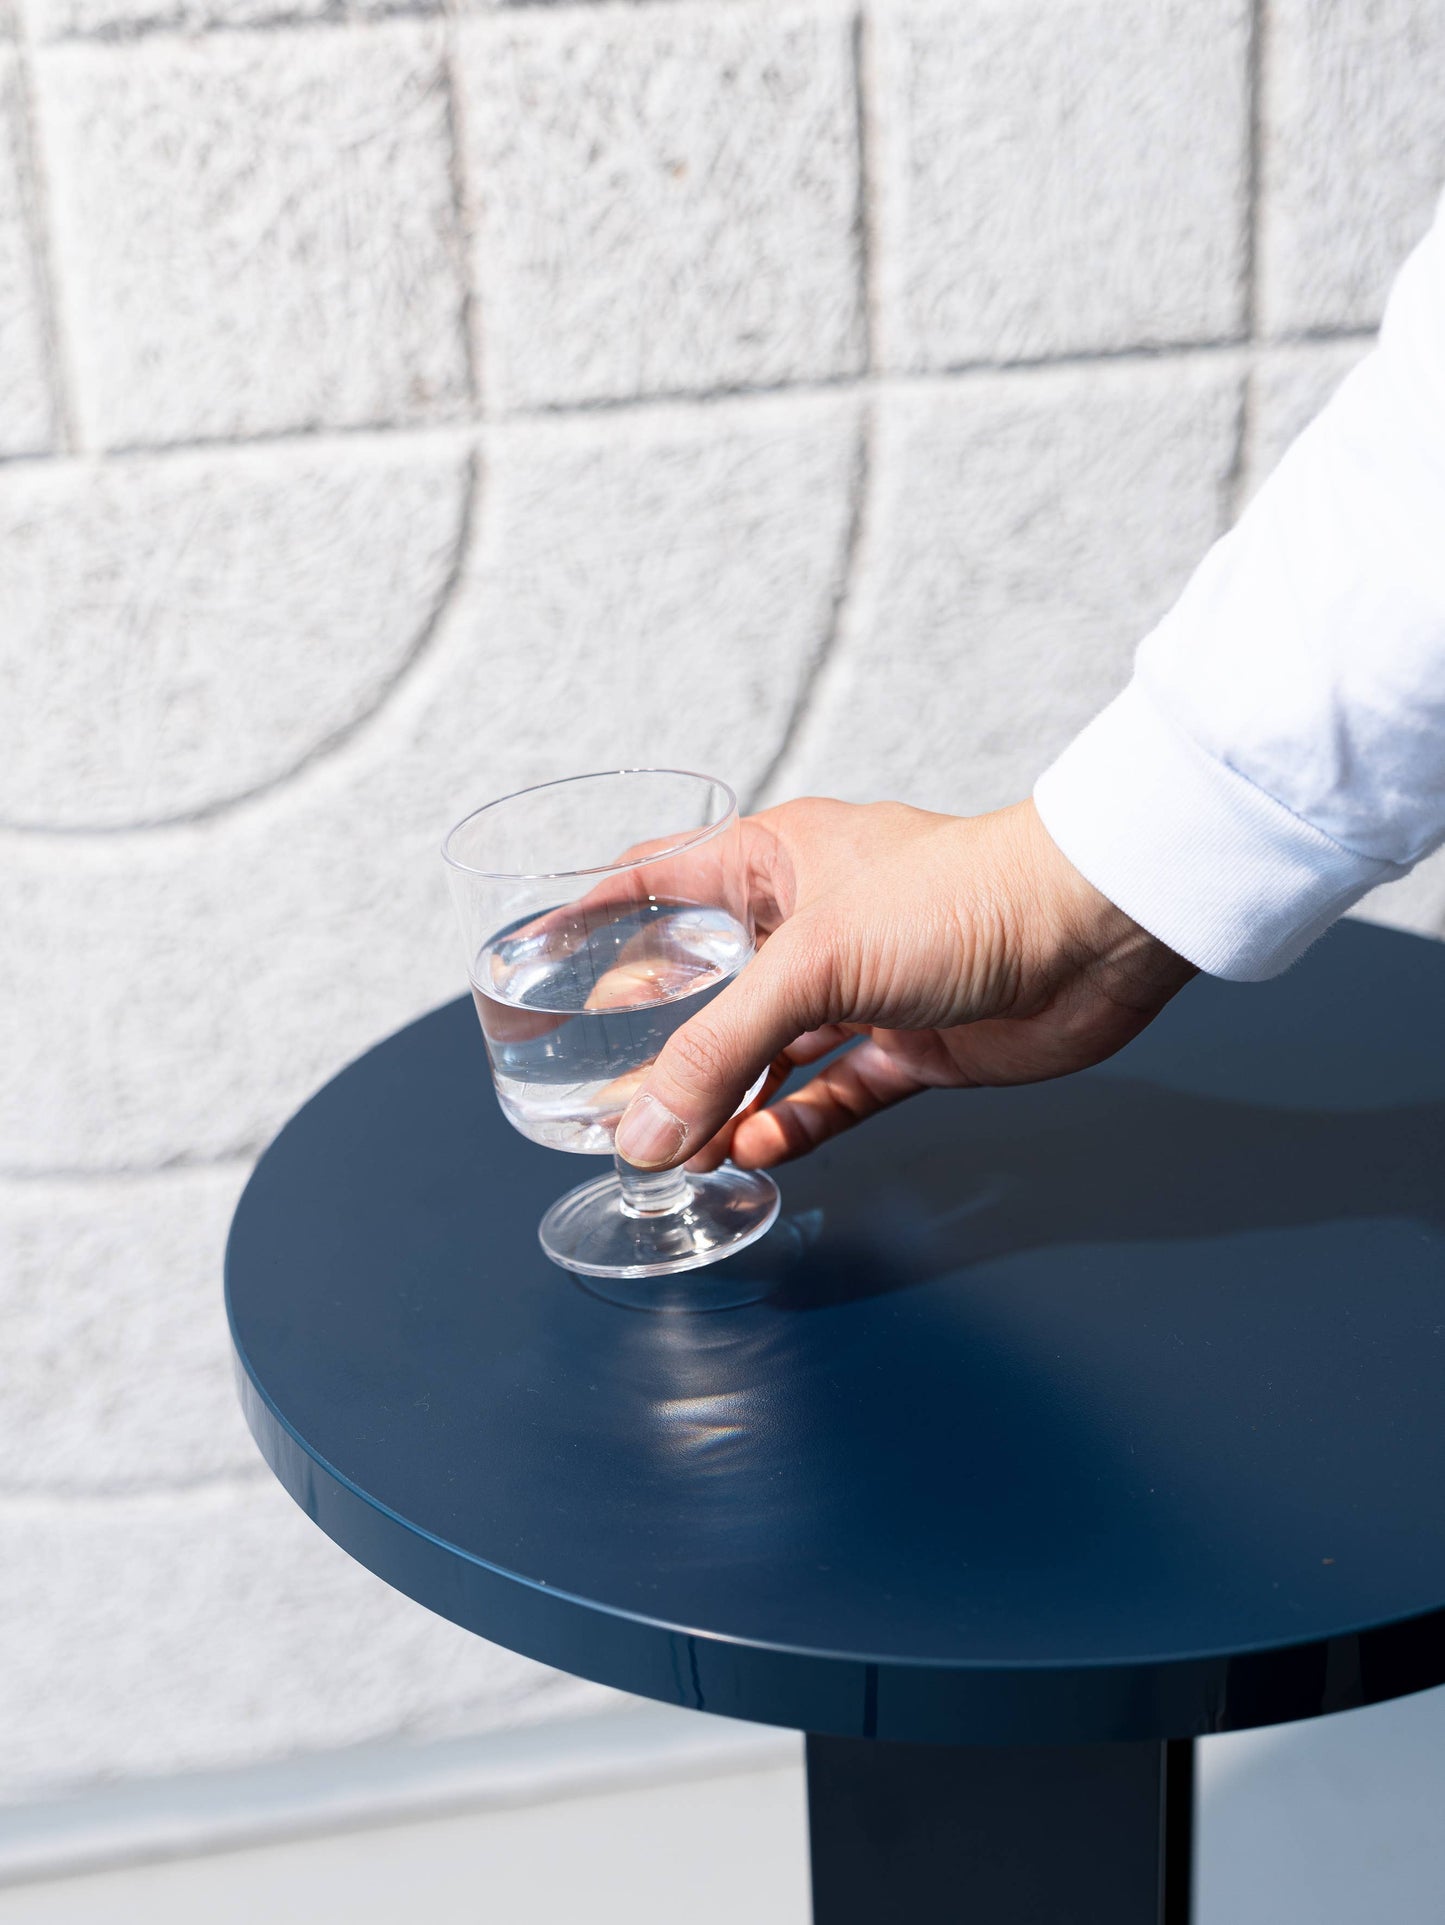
(152, 1819)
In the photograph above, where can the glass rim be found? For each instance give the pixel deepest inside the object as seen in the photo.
(693, 841)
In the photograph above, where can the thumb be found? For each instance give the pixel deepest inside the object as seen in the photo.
(707, 1067)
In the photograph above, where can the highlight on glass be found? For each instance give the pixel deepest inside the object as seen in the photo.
(599, 913)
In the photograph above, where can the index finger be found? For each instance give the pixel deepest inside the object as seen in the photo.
(847, 1091)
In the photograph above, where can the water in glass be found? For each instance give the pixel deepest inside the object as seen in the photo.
(576, 1007)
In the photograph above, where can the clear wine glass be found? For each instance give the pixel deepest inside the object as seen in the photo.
(599, 913)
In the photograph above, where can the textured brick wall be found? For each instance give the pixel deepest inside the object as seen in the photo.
(399, 405)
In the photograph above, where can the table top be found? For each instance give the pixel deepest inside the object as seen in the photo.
(1112, 1408)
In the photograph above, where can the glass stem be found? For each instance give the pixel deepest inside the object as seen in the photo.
(652, 1192)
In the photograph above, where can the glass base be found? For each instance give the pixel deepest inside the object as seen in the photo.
(594, 1231)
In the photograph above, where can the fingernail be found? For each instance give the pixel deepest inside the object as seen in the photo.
(649, 1134)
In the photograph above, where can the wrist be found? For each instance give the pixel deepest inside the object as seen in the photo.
(1077, 930)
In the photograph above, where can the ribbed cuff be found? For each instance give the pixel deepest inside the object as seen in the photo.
(1193, 851)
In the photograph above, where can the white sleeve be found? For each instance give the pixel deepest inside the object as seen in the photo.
(1281, 746)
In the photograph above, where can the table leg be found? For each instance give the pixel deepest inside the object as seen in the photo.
(1000, 1835)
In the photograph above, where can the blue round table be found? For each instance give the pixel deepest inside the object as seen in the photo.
(1093, 1416)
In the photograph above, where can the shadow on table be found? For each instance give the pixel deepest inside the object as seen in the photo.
(1095, 1160)
(1013, 1398)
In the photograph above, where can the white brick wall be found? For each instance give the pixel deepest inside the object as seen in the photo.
(181, 633)
(258, 232)
(217, 1627)
(675, 188)
(381, 428)
(110, 1286)
(1353, 131)
(232, 961)
(996, 544)
(1054, 176)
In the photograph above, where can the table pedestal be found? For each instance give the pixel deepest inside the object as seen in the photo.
(990, 1835)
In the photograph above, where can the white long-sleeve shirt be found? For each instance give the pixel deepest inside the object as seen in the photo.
(1281, 746)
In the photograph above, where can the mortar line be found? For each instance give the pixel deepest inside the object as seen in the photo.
(38, 204)
(172, 22)
(172, 25)
(456, 123)
(1254, 162)
(865, 214)
(827, 647)
(468, 429)
(462, 431)
(1232, 491)
(876, 382)
(238, 1160)
(39, 1500)
(1315, 337)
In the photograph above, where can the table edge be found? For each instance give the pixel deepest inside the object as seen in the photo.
(839, 1693)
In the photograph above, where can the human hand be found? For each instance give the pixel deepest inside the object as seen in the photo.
(963, 950)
